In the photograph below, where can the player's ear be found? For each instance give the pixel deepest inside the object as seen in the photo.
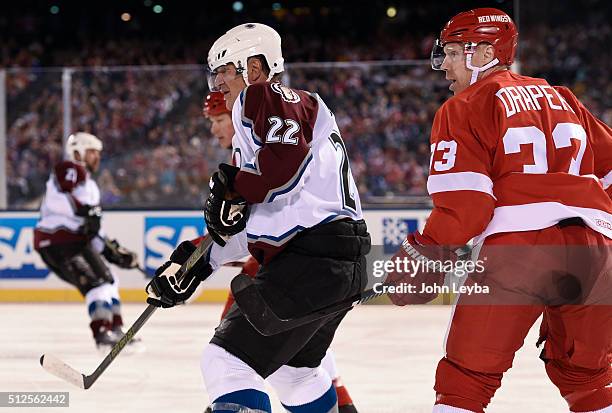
(255, 70)
(488, 53)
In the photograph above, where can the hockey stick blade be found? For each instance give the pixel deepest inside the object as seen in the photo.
(267, 323)
(62, 370)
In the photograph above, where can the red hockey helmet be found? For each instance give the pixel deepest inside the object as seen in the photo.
(214, 104)
(476, 26)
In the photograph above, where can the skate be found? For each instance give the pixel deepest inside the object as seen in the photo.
(105, 339)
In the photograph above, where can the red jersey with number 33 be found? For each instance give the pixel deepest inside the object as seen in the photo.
(511, 153)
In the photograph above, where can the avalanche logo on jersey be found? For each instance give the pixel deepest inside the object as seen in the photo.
(163, 234)
(18, 259)
(287, 94)
(395, 231)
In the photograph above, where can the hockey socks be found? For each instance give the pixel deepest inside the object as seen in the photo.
(116, 309)
(100, 310)
(327, 403)
(344, 398)
(249, 400)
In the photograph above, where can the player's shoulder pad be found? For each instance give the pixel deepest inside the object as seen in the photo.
(69, 175)
(479, 100)
(571, 99)
(276, 99)
(468, 121)
(456, 109)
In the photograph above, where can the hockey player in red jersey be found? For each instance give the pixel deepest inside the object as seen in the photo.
(522, 168)
(222, 128)
(290, 200)
(70, 241)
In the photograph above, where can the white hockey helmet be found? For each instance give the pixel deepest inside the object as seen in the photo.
(80, 142)
(242, 42)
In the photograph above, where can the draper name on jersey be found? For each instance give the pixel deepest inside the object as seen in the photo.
(528, 97)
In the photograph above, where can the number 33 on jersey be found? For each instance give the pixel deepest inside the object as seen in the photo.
(512, 153)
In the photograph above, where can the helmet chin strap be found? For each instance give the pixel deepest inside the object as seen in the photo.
(476, 70)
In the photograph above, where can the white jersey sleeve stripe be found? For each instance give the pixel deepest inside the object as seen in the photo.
(606, 181)
(460, 181)
(540, 215)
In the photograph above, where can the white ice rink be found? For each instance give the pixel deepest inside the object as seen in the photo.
(386, 357)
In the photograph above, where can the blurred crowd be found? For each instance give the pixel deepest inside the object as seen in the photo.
(159, 153)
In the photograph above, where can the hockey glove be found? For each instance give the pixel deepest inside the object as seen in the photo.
(165, 289)
(118, 255)
(92, 215)
(417, 265)
(225, 212)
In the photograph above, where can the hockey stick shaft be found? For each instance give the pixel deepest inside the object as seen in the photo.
(143, 271)
(130, 333)
(232, 264)
(110, 245)
(65, 372)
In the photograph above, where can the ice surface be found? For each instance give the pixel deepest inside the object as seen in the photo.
(386, 356)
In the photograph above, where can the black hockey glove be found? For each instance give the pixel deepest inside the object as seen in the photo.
(165, 290)
(118, 255)
(92, 215)
(225, 212)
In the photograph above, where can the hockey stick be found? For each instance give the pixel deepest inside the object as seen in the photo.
(60, 369)
(110, 245)
(267, 323)
(233, 264)
(143, 271)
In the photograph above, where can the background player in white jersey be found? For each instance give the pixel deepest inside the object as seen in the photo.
(221, 126)
(70, 241)
(305, 228)
(524, 168)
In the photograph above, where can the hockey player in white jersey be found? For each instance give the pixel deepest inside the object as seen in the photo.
(70, 241)
(215, 109)
(290, 200)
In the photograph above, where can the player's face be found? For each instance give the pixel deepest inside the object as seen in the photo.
(92, 160)
(222, 128)
(455, 68)
(230, 83)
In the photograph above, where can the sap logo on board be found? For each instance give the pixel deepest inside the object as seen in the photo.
(18, 259)
(163, 234)
(395, 231)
